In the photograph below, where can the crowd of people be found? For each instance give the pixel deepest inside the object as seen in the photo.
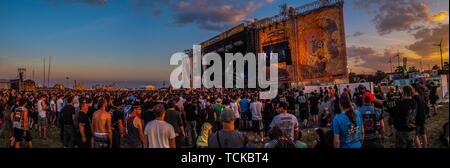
(221, 118)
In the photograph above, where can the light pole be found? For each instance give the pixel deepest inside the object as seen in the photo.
(440, 48)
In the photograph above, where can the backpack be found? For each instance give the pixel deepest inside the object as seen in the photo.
(411, 116)
(371, 121)
(301, 99)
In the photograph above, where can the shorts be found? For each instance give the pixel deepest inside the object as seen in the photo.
(257, 125)
(404, 139)
(101, 140)
(420, 130)
(34, 116)
(18, 135)
(314, 111)
(373, 143)
(43, 122)
(304, 114)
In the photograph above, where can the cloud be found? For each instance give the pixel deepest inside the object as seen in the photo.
(90, 2)
(440, 17)
(399, 15)
(357, 34)
(427, 37)
(367, 59)
(207, 14)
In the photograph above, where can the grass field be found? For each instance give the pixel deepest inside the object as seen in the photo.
(434, 130)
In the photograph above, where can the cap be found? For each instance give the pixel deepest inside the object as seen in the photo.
(227, 115)
(368, 95)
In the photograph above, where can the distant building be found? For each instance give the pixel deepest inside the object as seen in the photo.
(103, 87)
(4, 84)
(59, 86)
(150, 87)
(78, 86)
(28, 85)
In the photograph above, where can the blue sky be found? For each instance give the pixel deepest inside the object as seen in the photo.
(124, 40)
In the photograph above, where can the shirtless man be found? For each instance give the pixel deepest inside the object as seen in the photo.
(101, 126)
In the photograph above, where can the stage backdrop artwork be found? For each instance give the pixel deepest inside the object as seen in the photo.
(321, 44)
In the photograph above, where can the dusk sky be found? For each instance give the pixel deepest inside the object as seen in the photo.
(133, 40)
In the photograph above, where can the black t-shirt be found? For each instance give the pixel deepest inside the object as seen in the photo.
(392, 101)
(115, 117)
(149, 105)
(190, 112)
(420, 116)
(147, 116)
(67, 112)
(83, 118)
(314, 102)
(91, 112)
(291, 102)
(379, 97)
(405, 116)
(269, 112)
(358, 99)
(173, 117)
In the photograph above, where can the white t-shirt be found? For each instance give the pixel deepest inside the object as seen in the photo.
(59, 105)
(52, 106)
(286, 122)
(158, 134)
(42, 112)
(235, 109)
(76, 103)
(255, 108)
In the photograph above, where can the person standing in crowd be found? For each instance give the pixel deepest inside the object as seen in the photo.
(84, 124)
(135, 129)
(434, 97)
(59, 106)
(68, 119)
(373, 122)
(20, 120)
(288, 123)
(101, 126)
(291, 103)
(117, 118)
(147, 114)
(173, 117)
(52, 111)
(404, 120)
(393, 98)
(269, 114)
(42, 112)
(421, 136)
(217, 110)
(160, 134)
(313, 102)
(206, 130)
(92, 108)
(303, 104)
(191, 121)
(325, 116)
(228, 137)
(256, 108)
(237, 116)
(347, 126)
(244, 104)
